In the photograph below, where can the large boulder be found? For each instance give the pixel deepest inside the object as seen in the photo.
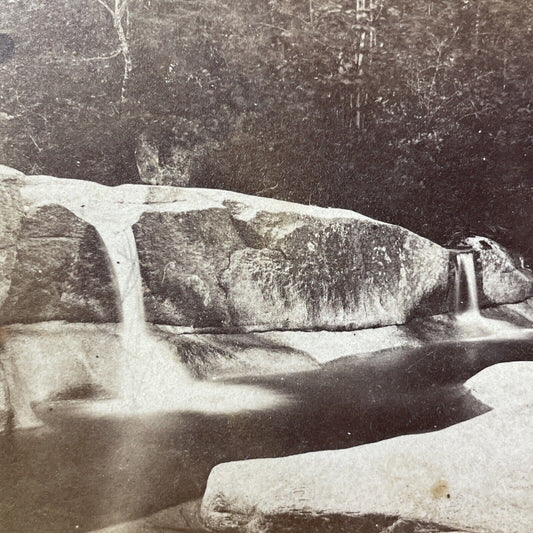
(477, 476)
(258, 264)
(332, 270)
(504, 385)
(219, 261)
(183, 257)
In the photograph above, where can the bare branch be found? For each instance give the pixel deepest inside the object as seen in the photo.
(122, 7)
(273, 188)
(102, 58)
(104, 4)
(35, 142)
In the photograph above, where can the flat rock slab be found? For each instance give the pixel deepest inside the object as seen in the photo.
(504, 385)
(477, 475)
(58, 360)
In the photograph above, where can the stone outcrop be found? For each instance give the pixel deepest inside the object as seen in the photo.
(58, 360)
(5, 405)
(503, 385)
(476, 475)
(52, 263)
(10, 220)
(273, 266)
(60, 271)
(221, 261)
(211, 262)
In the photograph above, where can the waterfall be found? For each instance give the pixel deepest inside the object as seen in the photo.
(150, 377)
(470, 322)
(466, 291)
(149, 372)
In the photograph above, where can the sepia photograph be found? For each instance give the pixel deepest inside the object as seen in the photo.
(266, 266)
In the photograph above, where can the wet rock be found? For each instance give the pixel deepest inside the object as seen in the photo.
(503, 278)
(328, 270)
(229, 354)
(11, 214)
(258, 264)
(476, 476)
(60, 271)
(222, 261)
(5, 407)
(56, 360)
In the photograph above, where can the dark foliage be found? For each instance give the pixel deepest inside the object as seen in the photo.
(261, 97)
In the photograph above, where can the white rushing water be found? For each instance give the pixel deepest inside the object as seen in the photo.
(472, 325)
(151, 378)
(149, 371)
(466, 301)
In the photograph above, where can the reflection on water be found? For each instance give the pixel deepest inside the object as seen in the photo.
(84, 472)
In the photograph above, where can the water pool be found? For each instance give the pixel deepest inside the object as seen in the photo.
(83, 472)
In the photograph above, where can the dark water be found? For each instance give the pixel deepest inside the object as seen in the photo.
(79, 474)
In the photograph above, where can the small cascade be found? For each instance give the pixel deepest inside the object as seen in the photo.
(466, 291)
(470, 322)
(150, 376)
(149, 372)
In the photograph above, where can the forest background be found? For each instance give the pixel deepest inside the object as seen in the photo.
(415, 112)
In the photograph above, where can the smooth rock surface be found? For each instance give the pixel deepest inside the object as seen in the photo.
(504, 385)
(477, 475)
(218, 355)
(70, 361)
(56, 360)
(61, 360)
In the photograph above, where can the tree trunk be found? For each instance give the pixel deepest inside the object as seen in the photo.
(126, 55)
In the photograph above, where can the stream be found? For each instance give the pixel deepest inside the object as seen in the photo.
(82, 472)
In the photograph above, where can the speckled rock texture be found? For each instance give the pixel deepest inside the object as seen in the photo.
(222, 262)
(5, 406)
(60, 271)
(273, 266)
(500, 274)
(52, 264)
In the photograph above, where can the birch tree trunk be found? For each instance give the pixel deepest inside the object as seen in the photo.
(118, 10)
(365, 10)
(126, 55)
